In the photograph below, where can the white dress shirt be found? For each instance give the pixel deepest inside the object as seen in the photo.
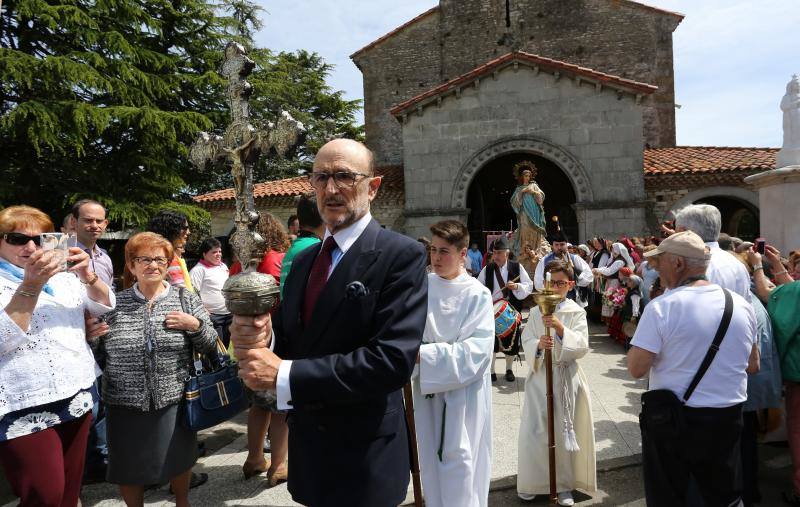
(345, 239)
(524, 284)
(727, 271)
(583, 280)
(50, 361)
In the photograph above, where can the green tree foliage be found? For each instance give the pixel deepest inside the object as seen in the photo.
(294, 82)
(101, 98)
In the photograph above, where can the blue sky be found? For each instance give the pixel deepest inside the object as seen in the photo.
(733, 58)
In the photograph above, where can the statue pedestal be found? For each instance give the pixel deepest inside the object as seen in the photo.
(779, 203)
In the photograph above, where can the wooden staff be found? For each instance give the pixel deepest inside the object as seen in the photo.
(408, 397)
(548, 300)
(551, 437)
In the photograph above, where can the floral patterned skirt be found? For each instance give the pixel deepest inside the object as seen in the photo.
(34, 419)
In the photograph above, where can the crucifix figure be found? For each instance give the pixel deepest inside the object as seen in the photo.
(239, 148)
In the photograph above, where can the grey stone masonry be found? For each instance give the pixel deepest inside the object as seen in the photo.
(594, 134)
(617, 37)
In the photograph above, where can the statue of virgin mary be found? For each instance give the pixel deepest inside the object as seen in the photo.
(529, 243)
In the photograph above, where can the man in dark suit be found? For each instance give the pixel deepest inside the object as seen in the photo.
(345, 341)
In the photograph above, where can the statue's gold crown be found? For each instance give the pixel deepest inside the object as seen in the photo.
(525, 165)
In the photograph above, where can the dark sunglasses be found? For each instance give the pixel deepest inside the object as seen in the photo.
(19, 239)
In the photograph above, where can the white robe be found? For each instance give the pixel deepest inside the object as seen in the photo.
(573, 469)
(454, 372)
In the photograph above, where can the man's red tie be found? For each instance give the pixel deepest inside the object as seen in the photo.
(317, 278)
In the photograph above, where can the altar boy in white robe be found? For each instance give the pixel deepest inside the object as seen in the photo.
(574, 428)
(452, 388)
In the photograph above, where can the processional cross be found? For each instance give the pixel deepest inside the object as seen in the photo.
(239, 149)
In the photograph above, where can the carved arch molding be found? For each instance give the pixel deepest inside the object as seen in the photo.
(567, 162)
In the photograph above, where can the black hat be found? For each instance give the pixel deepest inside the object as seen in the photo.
(557, 235)
(500, 243)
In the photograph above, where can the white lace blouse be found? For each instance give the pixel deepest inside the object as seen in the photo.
(52, 361)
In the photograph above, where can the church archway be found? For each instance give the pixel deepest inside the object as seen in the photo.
(739, 218)
(489, 195)
(485, 183)
(738, 207)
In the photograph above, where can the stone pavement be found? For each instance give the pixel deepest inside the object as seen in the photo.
(615, 408)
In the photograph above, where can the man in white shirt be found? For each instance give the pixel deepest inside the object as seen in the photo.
(346, 338)
(724, 269)
(582, 271)
(506, 279)
(672, 339)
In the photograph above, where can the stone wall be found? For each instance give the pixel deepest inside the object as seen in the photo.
(612, 36)
(595, 136)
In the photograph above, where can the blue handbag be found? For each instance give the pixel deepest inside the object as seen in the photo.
(214, 393)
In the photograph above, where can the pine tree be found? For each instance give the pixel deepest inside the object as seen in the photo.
(100, 98)
(294, 82)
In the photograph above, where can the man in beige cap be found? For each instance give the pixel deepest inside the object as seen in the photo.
(691, 420)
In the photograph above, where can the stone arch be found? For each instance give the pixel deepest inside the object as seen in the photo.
(567, 162)
(742, 194)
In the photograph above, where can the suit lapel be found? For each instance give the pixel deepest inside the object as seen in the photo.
(295, 289)
(352, 265)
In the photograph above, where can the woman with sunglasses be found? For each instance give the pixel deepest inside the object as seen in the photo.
(47, 370)
(145, 350)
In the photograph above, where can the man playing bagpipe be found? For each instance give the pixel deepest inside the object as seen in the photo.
(582, 271)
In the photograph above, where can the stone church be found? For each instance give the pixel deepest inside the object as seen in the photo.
(584, 89)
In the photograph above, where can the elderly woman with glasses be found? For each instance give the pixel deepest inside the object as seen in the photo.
(145, 350)
(47, 370)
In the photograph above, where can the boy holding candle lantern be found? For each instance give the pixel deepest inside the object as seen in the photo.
(575, 449)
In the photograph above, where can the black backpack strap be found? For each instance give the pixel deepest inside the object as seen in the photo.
(714, 348)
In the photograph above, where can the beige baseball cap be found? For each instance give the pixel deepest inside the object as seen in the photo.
(685, 244)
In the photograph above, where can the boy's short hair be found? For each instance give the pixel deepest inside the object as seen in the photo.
(452, 231)
(559, 266)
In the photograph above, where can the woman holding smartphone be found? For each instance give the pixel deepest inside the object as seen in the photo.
(47, 370)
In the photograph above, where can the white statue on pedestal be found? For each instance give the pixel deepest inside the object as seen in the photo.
(790, 105)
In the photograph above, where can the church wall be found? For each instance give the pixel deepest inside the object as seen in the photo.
(400, 68)
(600, 129)
(605, 35)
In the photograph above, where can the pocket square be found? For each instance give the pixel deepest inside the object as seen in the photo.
(355, 290)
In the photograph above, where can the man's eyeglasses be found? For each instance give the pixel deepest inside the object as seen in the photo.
(559, 283)
(319, 180)
(145, 261)
(19, 239)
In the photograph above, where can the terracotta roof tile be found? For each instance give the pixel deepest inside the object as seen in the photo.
(660, 164)
(392, 181)
(546, 64)
(706, 159)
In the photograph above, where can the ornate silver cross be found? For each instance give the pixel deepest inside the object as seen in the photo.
(239, 148)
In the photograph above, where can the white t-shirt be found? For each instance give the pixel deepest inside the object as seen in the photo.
(727, 271)
(679, 326)
(208, 282)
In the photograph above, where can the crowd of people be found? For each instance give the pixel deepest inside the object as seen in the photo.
(92, 380)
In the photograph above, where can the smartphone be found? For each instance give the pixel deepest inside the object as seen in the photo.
(58, 242)
(760, 245)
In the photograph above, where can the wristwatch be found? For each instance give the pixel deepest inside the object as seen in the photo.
(91, 281)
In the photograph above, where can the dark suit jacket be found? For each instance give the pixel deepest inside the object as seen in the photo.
(347, 431)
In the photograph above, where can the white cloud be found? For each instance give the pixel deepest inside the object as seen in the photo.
(733, 58)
